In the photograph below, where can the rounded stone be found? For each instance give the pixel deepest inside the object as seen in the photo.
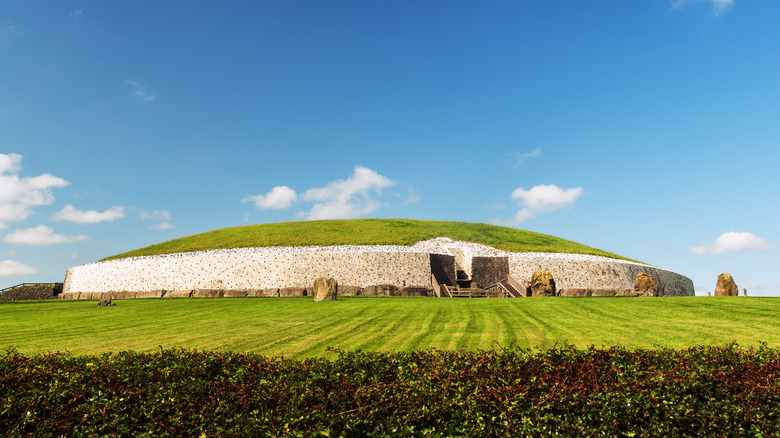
(645, 285)
(726, 286)
(325, 289)
(542, 284)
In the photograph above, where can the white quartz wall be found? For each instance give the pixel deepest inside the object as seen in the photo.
(276, 267)
(572, 271)
(252, 268)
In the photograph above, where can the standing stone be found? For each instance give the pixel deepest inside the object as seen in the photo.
(645, 285)
(744, 291)
(542, 284)
(726, 287)
(325, 289)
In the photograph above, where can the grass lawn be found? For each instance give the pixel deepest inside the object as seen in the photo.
(299, 327)
(366, 232)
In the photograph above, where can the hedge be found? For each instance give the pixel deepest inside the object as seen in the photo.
(565, 391)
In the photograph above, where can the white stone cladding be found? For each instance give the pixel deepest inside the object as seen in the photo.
(254, 268)
(575, 271)
(403, 266)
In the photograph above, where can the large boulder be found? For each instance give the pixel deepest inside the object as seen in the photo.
(412, 291)
(325, 289)
(726, 287)
(149, 294)
(576, 292)
(380, 289)
(645, 285)
(205, 293)
(542, 284)
(178, 294)
(293, 292)
(272, 292)
(124, 295)
(349, 291)
(233, 293)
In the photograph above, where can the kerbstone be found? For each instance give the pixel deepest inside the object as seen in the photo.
(325, 289)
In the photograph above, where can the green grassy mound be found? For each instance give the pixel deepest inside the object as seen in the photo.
(366, 232)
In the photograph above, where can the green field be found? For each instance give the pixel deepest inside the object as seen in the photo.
(366, 232)
(299, 327)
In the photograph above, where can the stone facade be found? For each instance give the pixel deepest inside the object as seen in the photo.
(486, 271)
(253, 268)
(592, 272)
(30, 293)
(285, 271)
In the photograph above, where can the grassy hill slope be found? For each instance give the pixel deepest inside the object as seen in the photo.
(366, 232)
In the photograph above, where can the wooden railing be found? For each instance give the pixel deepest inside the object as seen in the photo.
(436, 287)
(514, 284)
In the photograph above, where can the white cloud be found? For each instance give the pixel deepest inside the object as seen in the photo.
(139, 91)
(521, 158)
(278, 198)
(750, 285)
(39, 236)
(11, 268)
(63, 255)
(718, 6)
(734, 242)
(543, 198)
(163, 216)
(156, 214)
(71, 214)
(698, 250)
(8, 34)
(10, 163)
(414, 197)
(76, 13)
(349, 198)
(162, 226)
(18, 195)
(756, 289)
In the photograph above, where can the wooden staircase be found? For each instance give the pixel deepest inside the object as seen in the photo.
(507, 288)
(512, 287)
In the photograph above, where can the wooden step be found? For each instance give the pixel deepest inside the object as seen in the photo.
(470, 293)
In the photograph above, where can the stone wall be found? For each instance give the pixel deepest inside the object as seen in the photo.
(592, 272)
(252, 268)
(29, 293)
(288, 271)
(486, 271)
(443, 268)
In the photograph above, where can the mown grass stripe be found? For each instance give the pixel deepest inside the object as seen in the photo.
(298, 327)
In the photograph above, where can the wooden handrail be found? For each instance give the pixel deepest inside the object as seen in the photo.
(435, 285)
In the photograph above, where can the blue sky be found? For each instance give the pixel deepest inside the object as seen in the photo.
(647, 127)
